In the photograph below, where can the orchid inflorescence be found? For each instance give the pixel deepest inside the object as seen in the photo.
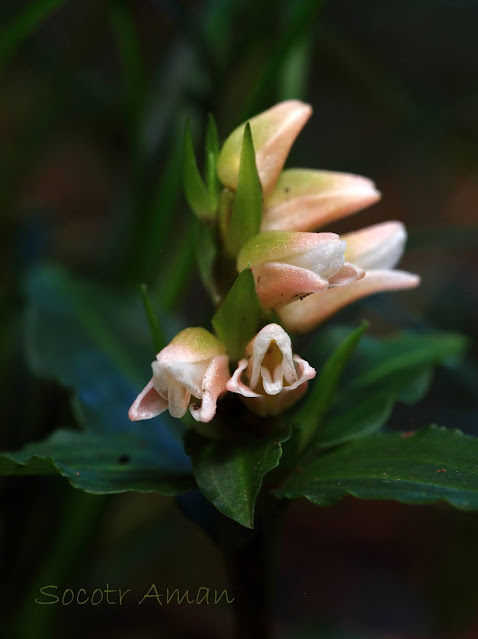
(263, 219)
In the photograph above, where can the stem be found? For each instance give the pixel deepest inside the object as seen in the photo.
(251, 561)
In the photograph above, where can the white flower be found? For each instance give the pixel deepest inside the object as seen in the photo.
(270, 378)
(191, 371)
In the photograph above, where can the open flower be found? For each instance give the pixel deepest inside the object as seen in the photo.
(270, 378)
(191, 371)
(291, 265)
(377, 249)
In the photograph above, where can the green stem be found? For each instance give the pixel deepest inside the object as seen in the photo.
(251, 561)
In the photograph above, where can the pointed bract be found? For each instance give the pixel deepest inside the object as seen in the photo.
(273, 133)
(305, 200)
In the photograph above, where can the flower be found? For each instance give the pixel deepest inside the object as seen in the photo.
(377, 249)
(191, 371)
(270, 378)
(291, 265)
(304, 200)
(273, 133)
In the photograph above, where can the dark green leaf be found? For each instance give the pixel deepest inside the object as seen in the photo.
(99, 463)
(96, 342)
(365, 416)
(23, 25)
(430, 465)
(195, 190)
(311, 414)
(206, 251)
(380, 373)
(230, 473)
(157, 335)
(237, 320)
(212, 152)
(246, 213)
(129, 50)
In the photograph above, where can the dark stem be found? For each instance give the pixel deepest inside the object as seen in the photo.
(251, 561)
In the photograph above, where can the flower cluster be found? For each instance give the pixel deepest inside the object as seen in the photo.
(303, 275)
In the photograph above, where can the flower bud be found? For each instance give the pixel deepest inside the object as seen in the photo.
(304, 200)
(291, 265)
(377, 249)
(270, 378)
(273, 133)
(191, 371)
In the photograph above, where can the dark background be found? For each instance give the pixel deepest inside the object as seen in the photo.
(93, 100)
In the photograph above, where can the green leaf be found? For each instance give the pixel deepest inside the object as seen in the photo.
(157, 335)
(212, 153)
(311, 414)
(433, 464)
(230, 473)
(237, 320)
(96, 342)
(23, 25)
(206, 252)
(195, 190)
(246, 212)
(98, 463)
(380, 373)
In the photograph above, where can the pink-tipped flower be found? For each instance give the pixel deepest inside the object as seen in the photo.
(270, 378)
(304, 200)
(376, 249)
(291, 265)
(191, 371)
(273, 133)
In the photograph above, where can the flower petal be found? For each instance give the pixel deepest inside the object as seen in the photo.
(178, 398)
(260, 345)
(304, 315)
(279, 284)
(214, 385)
(304, 200)
(236, 385)
(281, 246)
(148, 404)
(273, 133)
(348, 273)
(191, 345)
(376, 247)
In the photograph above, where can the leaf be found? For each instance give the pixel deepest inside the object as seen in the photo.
(206, 252)
(157, 335)
(311, 414)
(380, 373)
(195, 190)
(99, 463)
(23, 25)
(96, 342)
(237, 320)
(230, 473)
(212, 153)
(433, 464)
(246, 213)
